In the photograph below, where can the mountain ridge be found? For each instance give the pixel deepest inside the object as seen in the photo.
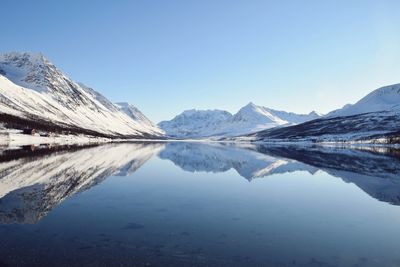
(249, 119)
(34, 90)
(375, 118)
(35, 93)
(385, 98)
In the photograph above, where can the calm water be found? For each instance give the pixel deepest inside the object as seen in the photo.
(191, 204)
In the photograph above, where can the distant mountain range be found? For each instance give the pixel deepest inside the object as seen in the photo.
(249, 119)
(375, 118)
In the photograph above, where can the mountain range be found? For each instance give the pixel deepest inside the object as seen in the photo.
(35, 94)
(375, 118)
(249, 119)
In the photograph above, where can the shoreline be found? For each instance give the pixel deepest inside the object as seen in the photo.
(14, 139)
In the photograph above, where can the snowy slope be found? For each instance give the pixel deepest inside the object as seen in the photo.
(386, 98)
(195, 123)
(252, 118)
(375, 118)
(362, 127)
(33, 89)
(249, 119)
(294, 118)
(135, 114)
(259, 114)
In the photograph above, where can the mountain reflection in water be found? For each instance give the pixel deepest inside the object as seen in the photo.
(33, 182)
(31, 186)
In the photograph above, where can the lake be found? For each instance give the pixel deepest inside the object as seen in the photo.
(199, 204)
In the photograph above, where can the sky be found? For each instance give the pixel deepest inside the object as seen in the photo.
(168, 56)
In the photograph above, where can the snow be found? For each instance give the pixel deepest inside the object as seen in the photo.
(14, 138)
(257, 114)
(24, 69)
(249, 119)
(135, 114)
(386, 98)
(294, 118)
(195, 123)
(375, 119)
(32, 87)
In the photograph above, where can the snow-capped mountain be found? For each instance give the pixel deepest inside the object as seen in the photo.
(259, 114)
(256, 116)
(195, 123)
(377, 127)
(249, 119)
(33, 92)
(375, 118)
(294, 118)
(386, 98)
(252, 118)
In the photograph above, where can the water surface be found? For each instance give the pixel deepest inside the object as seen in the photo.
(194, 204)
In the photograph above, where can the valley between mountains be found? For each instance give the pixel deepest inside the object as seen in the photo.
(39, 104)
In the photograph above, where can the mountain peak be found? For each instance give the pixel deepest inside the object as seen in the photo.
(251, 104)
(252, 112)
(30, 70)
(34, 87)
(315, 114)
(23, 58)
(250, 118)
(195, 123)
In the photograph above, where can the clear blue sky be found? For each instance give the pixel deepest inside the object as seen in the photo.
(167, 56)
